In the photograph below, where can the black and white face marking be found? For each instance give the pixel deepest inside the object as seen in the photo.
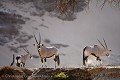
(108, 52)
(38, 45)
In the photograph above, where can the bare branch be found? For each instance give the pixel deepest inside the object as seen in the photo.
(103, 4)
(64, 6)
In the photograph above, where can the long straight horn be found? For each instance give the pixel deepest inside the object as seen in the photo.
(35, 38)
(26, 50)
(39, 38)
(105, 43)
(101, 44)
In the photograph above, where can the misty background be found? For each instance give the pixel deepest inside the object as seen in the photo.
(70, 34)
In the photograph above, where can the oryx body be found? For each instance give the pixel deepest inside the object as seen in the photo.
(20, 60)
(97, 50)
(47, 52)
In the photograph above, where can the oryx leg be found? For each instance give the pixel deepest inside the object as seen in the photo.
(45, 63)
(55, 61)
(99, 61)
(23, 64)
(42, 62)
(97, 57)
(85, 60)
(18, 64)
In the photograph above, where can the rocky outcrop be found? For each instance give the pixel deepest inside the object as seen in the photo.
(99, 73)
(83, 73)
(14, 73)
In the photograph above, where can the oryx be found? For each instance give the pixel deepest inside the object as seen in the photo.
(97, 50)
(47, 52)
(21, 59)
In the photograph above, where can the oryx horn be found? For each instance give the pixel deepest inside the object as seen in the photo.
(101, 43)
(105, 43)
(26, 50)
(35, 38)
(39, 38)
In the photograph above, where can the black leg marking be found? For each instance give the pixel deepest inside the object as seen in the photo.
(42, 60)
(86, 58)
(18, 64)
(45, 60)
(94, 54)
(23, 64)
(97, 57)
(55, 59)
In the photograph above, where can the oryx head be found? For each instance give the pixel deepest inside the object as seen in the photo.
(28, 55)
(106, 51)
(38, 44)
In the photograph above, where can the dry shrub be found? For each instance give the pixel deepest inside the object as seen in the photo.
(65, 5)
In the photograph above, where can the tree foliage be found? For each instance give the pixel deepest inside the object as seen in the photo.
(64, 6)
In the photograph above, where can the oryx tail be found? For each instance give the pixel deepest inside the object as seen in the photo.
(84, 57)
(13, 60)
(57, 59)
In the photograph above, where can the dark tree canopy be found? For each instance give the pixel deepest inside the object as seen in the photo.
(64, 6)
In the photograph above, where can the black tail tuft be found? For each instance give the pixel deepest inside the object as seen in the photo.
(13, 60)
(84, 56)
(57, 59)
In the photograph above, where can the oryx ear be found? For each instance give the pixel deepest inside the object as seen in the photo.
(31, 57)
(33, 44)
